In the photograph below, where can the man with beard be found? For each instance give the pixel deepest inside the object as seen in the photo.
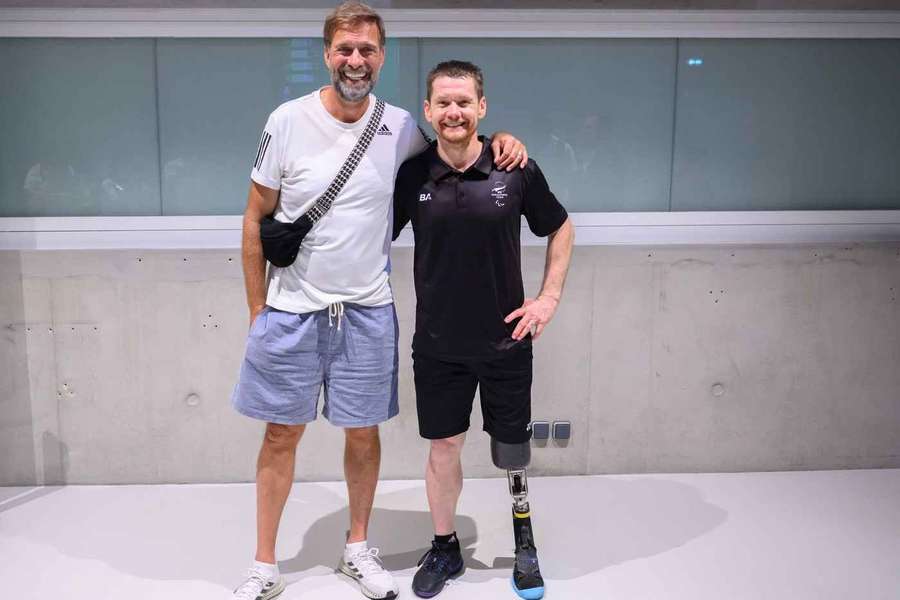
(474, 326)
(327, 319)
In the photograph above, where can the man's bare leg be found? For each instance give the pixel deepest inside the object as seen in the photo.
(362, 460)
(274, 477)
(444, 481)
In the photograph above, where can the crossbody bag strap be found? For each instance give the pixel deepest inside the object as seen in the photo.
(324, 202)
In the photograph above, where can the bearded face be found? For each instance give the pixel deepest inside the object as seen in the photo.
(353, 85)
(354, 60)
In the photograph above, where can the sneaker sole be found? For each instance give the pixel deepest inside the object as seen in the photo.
(275, 591)
(528, 594)
(366, 592)
(451, 576)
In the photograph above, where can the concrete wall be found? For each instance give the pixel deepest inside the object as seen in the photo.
(16, 428)
(117, 366)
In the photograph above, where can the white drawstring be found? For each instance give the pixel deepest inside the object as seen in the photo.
(335, 309)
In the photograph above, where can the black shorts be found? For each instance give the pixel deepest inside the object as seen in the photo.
(445, 389)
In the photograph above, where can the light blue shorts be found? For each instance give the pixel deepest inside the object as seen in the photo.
(290, 356)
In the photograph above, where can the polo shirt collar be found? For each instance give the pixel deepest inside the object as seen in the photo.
(438, 169)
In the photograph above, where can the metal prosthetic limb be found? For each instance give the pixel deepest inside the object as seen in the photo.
(518, 489)
(527, 580)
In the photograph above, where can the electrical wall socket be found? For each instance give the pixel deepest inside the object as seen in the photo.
(562, 430)
(540, 430)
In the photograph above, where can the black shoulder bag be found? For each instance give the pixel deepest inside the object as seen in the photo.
(281, 241)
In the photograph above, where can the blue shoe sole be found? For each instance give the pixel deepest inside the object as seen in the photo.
(530, 593)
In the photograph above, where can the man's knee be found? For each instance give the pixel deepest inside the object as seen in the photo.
(283, 437)
(361, 434)
(446, 449)
(362, 439)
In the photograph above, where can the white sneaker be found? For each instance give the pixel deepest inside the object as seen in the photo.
(258, 587)
(365, 567)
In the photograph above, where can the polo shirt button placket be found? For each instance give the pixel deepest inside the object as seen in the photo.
(454, 181)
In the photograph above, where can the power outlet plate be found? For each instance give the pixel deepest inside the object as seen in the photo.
(540, 430)
(562, 430)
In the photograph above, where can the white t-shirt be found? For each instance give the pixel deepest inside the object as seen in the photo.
(345, 256)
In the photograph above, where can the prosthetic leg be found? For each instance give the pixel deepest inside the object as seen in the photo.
(526, 580)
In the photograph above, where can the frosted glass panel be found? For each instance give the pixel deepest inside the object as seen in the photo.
(78, 128)
(596, 114)
(170, 126)
(787, 124)
(214, 97)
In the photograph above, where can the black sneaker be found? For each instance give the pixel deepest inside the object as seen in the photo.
(438, 565)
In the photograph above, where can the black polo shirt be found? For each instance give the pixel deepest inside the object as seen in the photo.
(467, 267)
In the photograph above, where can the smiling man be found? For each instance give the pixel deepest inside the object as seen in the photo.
(474, 326)
(327, 320)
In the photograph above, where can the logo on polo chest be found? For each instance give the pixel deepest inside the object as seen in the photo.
(498, 193)
(424, 197)
(384, 130)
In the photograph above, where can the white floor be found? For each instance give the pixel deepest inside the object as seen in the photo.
(804, 535)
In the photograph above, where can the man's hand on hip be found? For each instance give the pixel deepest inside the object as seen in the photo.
(536, 314)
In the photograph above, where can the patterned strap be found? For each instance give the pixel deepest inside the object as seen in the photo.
(324, 202)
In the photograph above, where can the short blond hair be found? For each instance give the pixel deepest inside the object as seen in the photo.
(349, 15)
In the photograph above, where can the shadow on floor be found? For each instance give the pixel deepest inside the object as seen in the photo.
(206, 532)
(617, 519)
(404, 537)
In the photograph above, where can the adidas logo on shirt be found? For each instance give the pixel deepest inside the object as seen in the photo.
(383, 130)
